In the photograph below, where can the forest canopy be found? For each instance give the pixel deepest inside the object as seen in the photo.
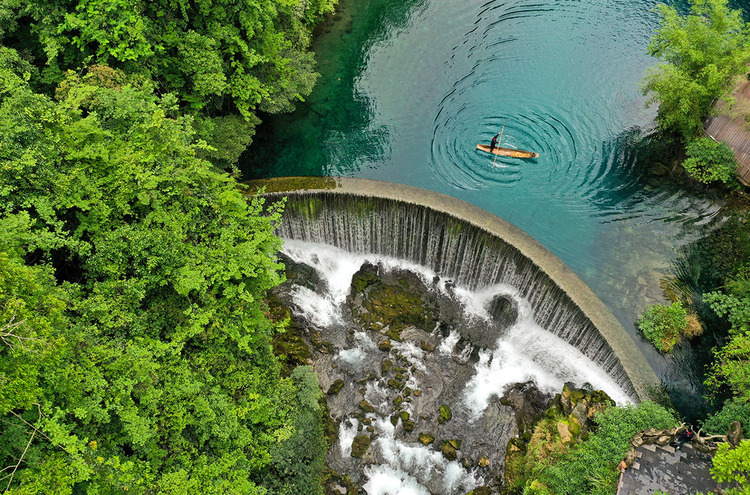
(135, 346)
(224, 61)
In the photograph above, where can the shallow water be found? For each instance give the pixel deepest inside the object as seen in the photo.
(409, 87)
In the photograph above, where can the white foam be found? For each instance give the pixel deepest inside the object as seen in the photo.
(448, 345)
(357, 355)
(318, 309)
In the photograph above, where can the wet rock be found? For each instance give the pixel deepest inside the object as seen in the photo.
(336, 387)
(366, 407)
(504, 312)
(385, 367)
(426, 439)
(528, 404)
(483, 461)
(480, 490)
(445, 414)
(408, 425)
(449, 450)
(385, 345)
(360, 444)
(404, 415)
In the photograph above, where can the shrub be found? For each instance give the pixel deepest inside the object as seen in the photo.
(733, 410)
(589, 467)
(663, 325)
(710, 161)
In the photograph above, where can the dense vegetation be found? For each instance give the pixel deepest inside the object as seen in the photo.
(224, 61)
(586, 463)
(702, 54)
(135, 343)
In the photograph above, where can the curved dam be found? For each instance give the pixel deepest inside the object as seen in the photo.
(467, 244)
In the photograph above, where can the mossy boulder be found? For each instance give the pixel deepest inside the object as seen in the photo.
(395, 300)
(450, 448)
(366, 407)
(360, 444)
(408, 425)
(336, 387)
(426, 438)
(386, 365)
(445, 414)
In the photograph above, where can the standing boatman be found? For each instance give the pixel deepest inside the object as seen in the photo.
(493, 144)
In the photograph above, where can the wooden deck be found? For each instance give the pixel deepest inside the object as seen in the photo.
(730, 127)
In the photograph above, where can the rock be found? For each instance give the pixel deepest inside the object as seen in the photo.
(480, 490)
(394, 419)
(445, 414)
(581, 411)
(630, 457)
(336, 387)
(385, 345)
(426, 439)
(386, 365)
(398, 400)
(456, 443)
(360, 445)
(466, 462)
(366, 406)
(484, 461)
(565, 435)
(528, 403)
(637, 441)
(407, 391)
(408, 425)
(449, 451)
(663, 440)
(404, 415)
(395, 384)
(503, 311)
(734, 436)
(417, 393)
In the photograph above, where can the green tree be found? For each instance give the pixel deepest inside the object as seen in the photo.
(162, 379)
(711, 161)
(701, 54)
(732, 465)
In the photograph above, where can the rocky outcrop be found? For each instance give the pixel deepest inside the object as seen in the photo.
(547, 426)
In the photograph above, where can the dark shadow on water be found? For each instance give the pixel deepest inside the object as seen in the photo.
(294, 144)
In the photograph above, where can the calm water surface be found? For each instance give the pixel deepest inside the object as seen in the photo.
(409, 87)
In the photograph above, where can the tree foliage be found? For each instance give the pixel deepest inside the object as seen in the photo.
(141, 272)
(700, 54)
(220, 58)
(732, 465)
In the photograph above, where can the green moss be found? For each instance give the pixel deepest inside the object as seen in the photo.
(445, 414)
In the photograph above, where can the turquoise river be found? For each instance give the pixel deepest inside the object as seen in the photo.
(409, 87)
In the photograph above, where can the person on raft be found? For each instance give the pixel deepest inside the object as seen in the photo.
(493, 144)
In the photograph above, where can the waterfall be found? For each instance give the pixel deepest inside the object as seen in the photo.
(452, 248)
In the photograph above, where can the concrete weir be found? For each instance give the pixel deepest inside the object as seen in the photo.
(467, 244)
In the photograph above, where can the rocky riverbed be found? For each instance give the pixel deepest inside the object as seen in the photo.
(397, 353)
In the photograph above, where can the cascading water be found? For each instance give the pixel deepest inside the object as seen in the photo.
(395, 462)
(452, 248)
